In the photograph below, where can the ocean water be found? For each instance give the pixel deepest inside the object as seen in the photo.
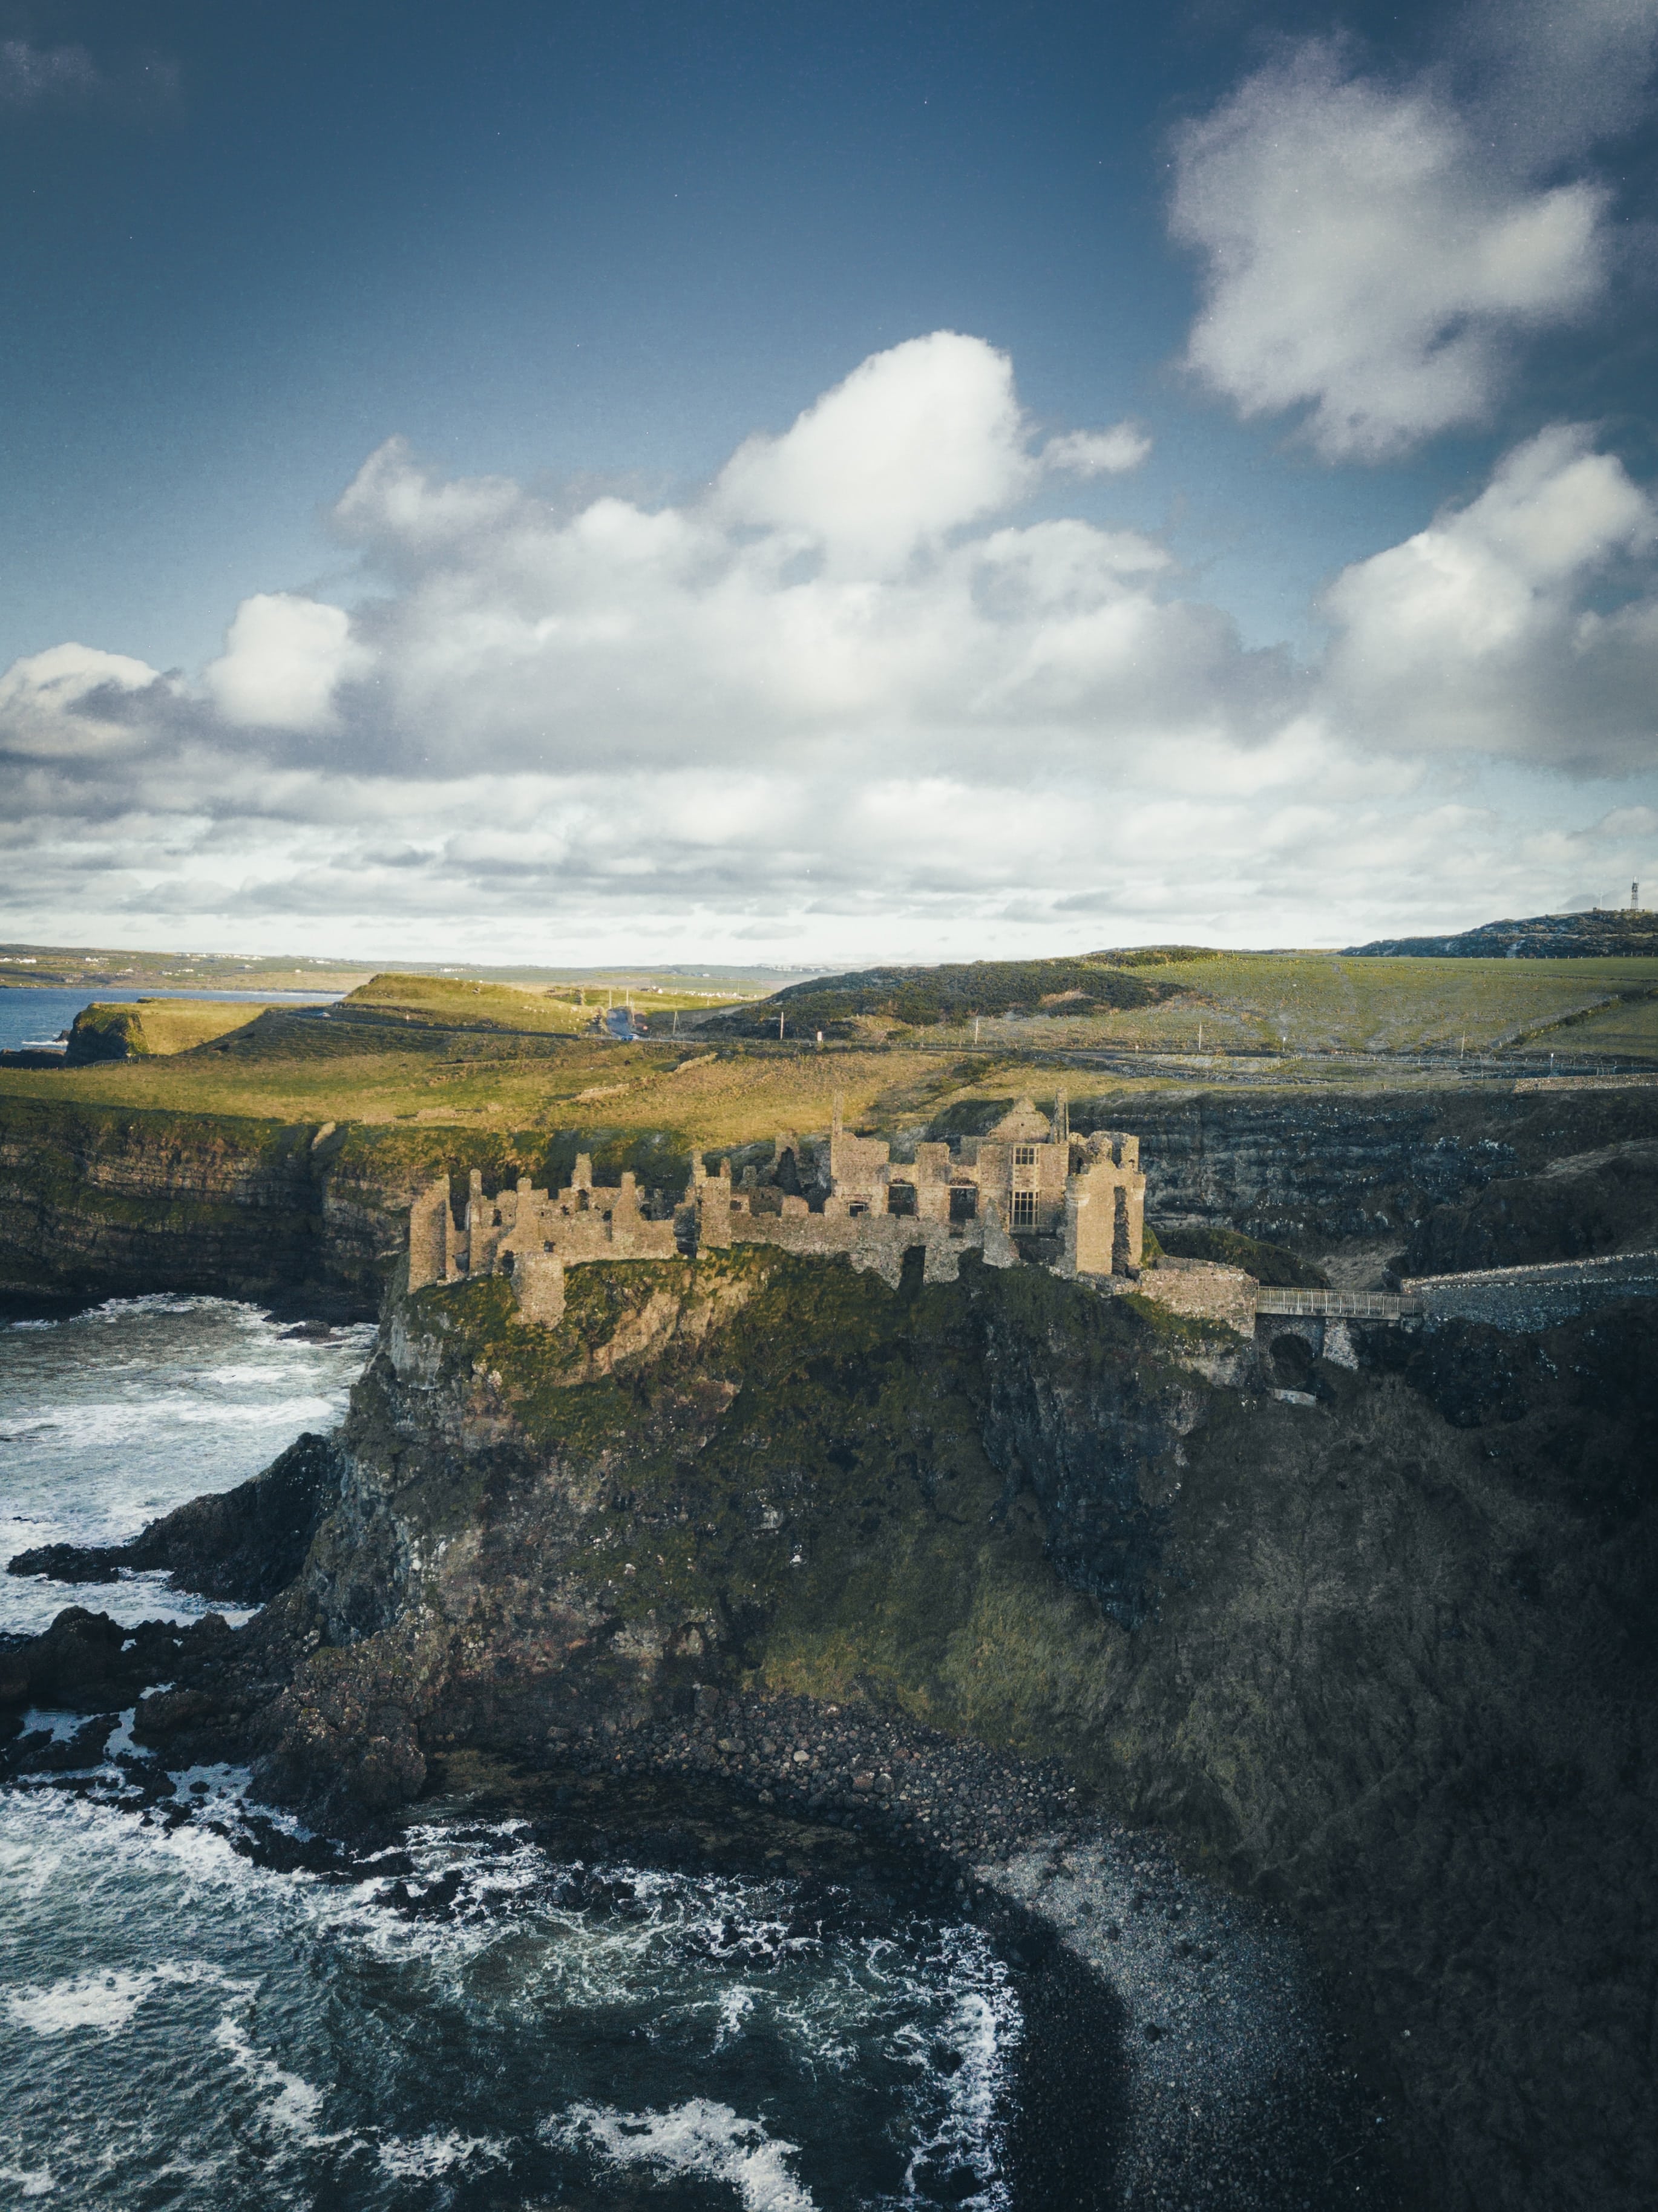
(181, 2027)
(202, 2008)
(121, 1413)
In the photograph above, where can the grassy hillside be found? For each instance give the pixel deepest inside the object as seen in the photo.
(953, 993)
(281, 1070)
(518, 1008)
(1624, 932)
(154, 1026)
(563, 1009)
(1250, 1002)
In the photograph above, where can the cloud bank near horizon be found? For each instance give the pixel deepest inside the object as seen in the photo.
(854, 697)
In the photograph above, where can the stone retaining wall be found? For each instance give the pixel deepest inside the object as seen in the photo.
(1527, 1299)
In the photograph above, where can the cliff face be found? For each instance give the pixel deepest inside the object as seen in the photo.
(757, 1470)
(1386, 1659)
(1325, 1167)
(1583, 1205)
(98, 1203)
(101, 1201)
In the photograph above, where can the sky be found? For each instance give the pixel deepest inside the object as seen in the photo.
(823, 482)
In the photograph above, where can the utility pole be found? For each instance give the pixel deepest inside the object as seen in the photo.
(779, 1029)
(975, 1029)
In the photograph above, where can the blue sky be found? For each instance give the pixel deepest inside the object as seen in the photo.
(1330, 283)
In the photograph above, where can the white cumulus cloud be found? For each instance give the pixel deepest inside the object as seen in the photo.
(846, 588)
(73, 702)
(1365, 260)
(1097, 452)
(589, 727)
(916, 442)
(283, 662)
(1479, 634)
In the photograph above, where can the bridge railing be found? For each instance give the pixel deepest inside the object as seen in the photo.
(1349, 1305)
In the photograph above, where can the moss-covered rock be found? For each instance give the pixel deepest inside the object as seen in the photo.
(1272, 1264)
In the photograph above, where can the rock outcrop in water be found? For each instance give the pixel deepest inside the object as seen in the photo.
(237, 1546)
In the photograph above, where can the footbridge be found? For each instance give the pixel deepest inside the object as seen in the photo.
(1345, 1305)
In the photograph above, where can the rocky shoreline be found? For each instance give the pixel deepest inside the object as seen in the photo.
(1179, 2053)
(845, 1765)
(995, 1577)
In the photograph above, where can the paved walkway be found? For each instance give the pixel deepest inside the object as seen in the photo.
(1532, 1295)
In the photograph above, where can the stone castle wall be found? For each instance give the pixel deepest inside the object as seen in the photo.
(1028, 1176)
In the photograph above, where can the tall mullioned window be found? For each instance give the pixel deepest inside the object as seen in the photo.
(1025, 1209)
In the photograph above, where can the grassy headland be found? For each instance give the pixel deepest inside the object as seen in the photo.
(425, 1050)
(152, 1027)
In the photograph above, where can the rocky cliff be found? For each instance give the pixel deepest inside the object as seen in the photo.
(1380, 1653)
(1316, 1169)
(99, 1201)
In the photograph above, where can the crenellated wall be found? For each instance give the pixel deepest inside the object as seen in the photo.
(1030, 1175)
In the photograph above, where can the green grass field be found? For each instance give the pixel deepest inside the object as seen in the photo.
(430, 1050)
(560, 1009)
(1628, 1032)
(486, 1082)
(1318, 1002)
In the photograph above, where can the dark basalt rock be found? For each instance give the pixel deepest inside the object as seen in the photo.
(239, 1546)
(85, 1662)
(923, 1563)
(1576, 1208)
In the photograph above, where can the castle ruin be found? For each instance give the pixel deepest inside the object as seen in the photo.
(1027, 1191)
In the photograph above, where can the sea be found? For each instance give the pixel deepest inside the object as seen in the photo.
(202, 2008)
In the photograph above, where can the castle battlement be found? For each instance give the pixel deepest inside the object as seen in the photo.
(1028, 1190)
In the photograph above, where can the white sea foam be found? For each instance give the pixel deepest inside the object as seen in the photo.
(699, 2138)
(984, 2028)
(105, 1999)
(429, 2155)
(113, 1421)
(35, 2183)
(60, 1727)
(171, 1302)
(735, 2005)
(291, 2103)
